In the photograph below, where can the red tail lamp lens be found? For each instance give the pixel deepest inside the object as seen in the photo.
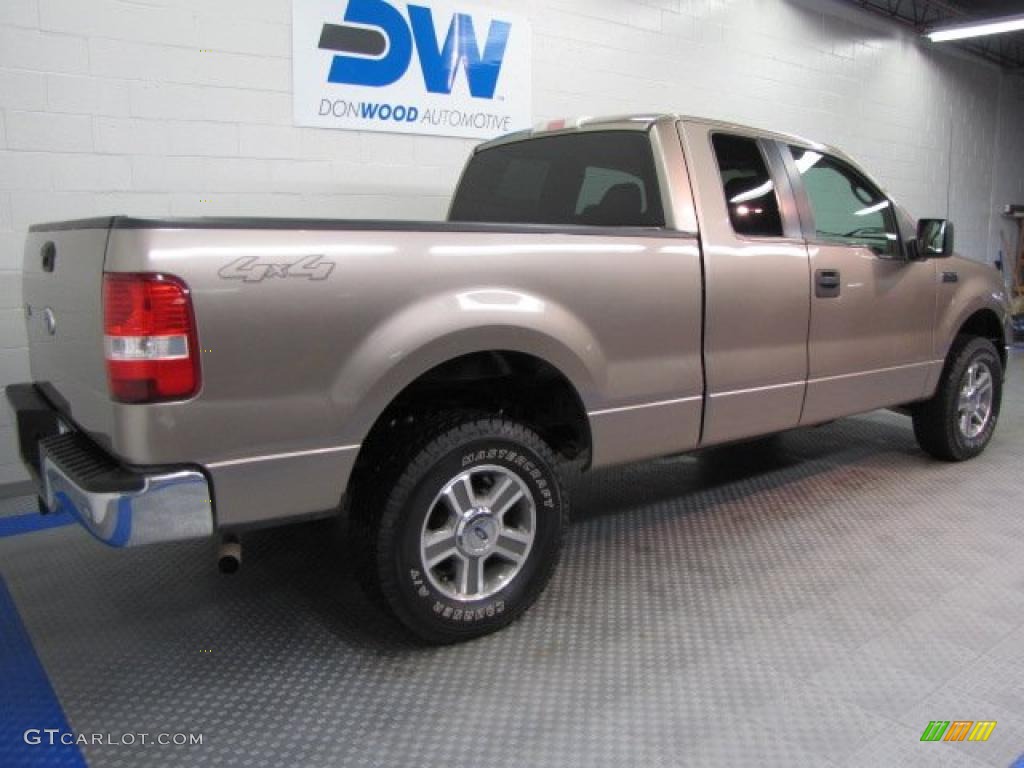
(150, 341)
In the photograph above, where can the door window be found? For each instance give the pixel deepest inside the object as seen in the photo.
(848, 209)
(749, 191)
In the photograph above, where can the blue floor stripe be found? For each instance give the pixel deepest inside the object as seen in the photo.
(27, 700)
(16, 524)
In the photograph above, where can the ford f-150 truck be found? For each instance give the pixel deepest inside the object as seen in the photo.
(604, 291)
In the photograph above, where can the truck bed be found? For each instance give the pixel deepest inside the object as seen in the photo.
(308, 328)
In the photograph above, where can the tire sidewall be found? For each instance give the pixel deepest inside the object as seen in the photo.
(983, 351)
(433, 613)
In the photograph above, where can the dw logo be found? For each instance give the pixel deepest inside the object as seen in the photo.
(376, 43)
(411, 66)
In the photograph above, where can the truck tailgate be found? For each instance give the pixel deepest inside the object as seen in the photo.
(62, 290)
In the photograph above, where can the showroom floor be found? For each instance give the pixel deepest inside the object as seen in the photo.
(814, 599)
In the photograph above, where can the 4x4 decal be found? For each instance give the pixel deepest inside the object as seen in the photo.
(252, 270)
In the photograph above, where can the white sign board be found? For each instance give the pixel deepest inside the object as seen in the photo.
(442, 68)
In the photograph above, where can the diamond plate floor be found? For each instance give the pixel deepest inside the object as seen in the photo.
(812, 599)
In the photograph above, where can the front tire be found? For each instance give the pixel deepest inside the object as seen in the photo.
(958, 422)
(468, 529)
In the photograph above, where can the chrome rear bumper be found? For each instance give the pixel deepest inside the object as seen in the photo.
(121, 506)
(168, 507)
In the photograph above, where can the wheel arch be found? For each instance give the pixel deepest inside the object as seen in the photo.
(985, 323)
(494, 357)
(505, 382)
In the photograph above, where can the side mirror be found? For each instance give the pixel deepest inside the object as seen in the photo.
(934, 238)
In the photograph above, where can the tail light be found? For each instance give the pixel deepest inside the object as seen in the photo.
(149, 338)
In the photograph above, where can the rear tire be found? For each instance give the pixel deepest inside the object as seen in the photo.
(958, 422)
(466, 526)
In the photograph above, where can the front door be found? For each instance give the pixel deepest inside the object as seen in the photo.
(872, 310)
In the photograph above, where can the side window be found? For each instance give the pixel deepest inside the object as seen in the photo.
(749, 190)
(848, 209)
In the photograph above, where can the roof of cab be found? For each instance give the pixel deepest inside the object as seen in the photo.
(642, 122)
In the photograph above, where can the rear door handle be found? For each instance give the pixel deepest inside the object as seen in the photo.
(827, 283)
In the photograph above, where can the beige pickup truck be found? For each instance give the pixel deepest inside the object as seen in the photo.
(605, 291)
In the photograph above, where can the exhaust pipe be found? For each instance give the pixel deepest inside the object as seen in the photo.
(230, 557)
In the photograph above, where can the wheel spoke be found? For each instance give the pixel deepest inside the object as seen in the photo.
(983, 383)
(461, 574)
(965, 422)
(511, 547)
(460, 496)
(438, 546)
(516, 535)
(507, 494)
(474, 576)
(469, 575)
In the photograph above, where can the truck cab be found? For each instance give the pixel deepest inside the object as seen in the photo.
(818, 301)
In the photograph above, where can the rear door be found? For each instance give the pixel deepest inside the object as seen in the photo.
(872, 310)
(757, 285)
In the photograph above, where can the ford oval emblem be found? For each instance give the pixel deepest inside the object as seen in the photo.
(51, 321)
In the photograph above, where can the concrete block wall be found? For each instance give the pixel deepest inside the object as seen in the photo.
(183, 107)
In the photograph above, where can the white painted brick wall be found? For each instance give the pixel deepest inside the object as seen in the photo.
(183, 107)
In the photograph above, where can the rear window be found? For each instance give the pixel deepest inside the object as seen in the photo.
(599, 179)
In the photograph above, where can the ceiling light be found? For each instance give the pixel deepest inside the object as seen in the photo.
(872, 209)
(753, 194)
(977, 29)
